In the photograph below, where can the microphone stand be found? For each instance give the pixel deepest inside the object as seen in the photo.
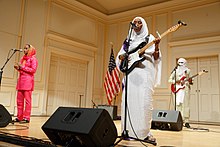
(1, 70)
(174, 70)
(124, 135)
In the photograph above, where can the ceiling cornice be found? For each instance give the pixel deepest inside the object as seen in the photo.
(123, 16)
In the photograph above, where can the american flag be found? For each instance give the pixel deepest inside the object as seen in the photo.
(112, 81)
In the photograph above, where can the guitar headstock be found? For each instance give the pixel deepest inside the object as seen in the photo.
(182, 23)
(202, 72)
(176, 27)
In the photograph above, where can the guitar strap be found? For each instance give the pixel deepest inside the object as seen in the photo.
(147, 38)
(126, 45)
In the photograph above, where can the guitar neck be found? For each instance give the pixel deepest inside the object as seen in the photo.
(194, 75)
(191, 77)
(141, 51)
(172, 29)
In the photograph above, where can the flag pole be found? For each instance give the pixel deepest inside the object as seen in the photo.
(111, 43)
(114, 100)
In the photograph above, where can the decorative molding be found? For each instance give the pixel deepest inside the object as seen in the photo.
(195, 41)
(62, 39)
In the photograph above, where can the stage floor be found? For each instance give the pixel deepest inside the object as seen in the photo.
(197, 136)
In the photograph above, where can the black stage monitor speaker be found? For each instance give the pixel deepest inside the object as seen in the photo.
(70, 126)
(167, 120)
(5, 117)
(112, 110)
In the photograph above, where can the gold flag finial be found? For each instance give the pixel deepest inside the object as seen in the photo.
(111, 45)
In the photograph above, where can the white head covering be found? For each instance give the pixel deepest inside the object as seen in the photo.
(182, 62)
(182, 66)
(139, 37)
(143, 32)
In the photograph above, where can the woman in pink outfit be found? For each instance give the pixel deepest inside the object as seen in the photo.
(25, 85)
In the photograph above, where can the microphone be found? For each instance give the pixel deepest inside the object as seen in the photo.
(94, 105)
(15, 50)
(133, 25)
(175, 68)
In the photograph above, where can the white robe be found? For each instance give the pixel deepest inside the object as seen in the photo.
(181, 71)
(140, 88)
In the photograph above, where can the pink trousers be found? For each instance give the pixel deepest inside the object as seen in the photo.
(24, 104)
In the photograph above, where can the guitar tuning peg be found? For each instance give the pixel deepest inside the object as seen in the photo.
(182, 23)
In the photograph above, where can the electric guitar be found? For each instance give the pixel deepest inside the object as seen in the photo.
(136, 53)
(183, 80)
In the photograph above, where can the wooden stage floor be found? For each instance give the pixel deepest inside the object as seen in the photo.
(197, 136)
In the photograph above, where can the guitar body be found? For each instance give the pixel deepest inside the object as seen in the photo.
(178, 87)
(134, 59)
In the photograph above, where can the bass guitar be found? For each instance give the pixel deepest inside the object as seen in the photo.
(135, 54)
(183, 80)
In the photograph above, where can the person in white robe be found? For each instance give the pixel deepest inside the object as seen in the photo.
(141, 81)
(182, 90)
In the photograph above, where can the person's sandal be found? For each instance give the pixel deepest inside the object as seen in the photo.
(24, 121)
(187, 125)
(15, 120)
